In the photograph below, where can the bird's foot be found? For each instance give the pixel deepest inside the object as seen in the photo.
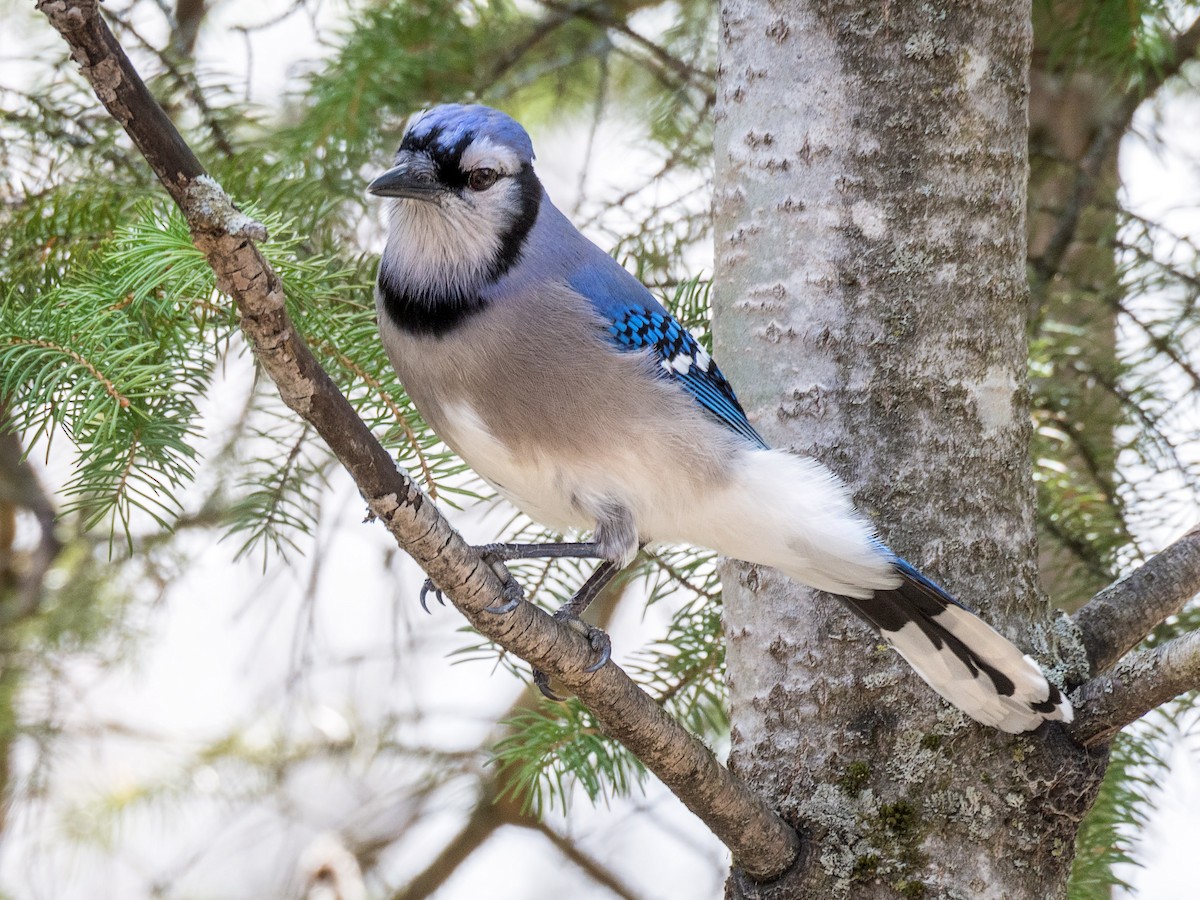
(597, 638)
(430, 588)
(495, 556)
(510, 589)
(512, 593)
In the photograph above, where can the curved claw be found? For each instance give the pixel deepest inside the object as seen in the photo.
(512, 594)
(426, 589)
(542, 680)
(602, 644)
(506, 607)
(599, 641)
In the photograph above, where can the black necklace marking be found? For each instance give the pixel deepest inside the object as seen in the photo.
(424, 314)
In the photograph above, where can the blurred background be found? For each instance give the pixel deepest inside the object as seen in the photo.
(215, 678)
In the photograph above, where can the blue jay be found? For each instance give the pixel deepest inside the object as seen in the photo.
(570, 389)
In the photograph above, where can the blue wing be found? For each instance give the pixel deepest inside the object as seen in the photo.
(639, 322)
(682, 360)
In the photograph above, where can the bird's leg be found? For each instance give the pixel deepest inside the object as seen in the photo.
(564, 550)
(617, 542)
(495, 555)
(570, 613)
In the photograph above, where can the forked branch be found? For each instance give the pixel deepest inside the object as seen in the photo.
(1119, 617)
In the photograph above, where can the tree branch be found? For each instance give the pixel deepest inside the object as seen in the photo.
(599, 873)
(21, 488)
(762, 844)
(1103, 145)
(1139, 683)
(1117, 619)
(601, 14)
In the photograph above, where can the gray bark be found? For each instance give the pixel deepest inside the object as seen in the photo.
(871, 308)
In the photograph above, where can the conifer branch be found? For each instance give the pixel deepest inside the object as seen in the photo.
(763, 845)
(109, 388)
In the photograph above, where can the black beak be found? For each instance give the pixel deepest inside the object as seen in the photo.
(407, 181)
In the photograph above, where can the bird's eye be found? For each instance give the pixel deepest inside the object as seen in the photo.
(482, 179)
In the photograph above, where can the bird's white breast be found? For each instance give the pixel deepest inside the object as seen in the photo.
(541, 488)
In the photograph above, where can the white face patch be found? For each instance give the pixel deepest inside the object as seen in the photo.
(484, 153)
(450, 243)
(443, 245)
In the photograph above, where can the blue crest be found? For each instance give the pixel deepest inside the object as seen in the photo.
(454, 124)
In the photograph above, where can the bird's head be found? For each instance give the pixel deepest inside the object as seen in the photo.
(464, 198)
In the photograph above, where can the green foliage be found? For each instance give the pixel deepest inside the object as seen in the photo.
(1079, 502)
(1125, 39)
(1115, 399)
(394, 58)
(558, 745)
(1109, 834)
(116, 355)
(685, 669)
(107, 356)
(276, 497)
(555, 748)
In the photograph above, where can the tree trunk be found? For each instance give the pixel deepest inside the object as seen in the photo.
(871, 308)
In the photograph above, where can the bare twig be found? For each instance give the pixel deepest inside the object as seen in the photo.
(185, 26)
(481, 824)
(599, 873)
(762, 844)
(540, 30)
(1120, 616)
(600, 14)
(185, 80)
(1137, 684)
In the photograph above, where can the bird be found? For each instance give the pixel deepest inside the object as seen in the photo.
(568, 387)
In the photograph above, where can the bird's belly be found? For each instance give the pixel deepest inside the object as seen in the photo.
(548, 491)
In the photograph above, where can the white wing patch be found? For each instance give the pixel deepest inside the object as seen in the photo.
(442, 245)
(680, 363)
